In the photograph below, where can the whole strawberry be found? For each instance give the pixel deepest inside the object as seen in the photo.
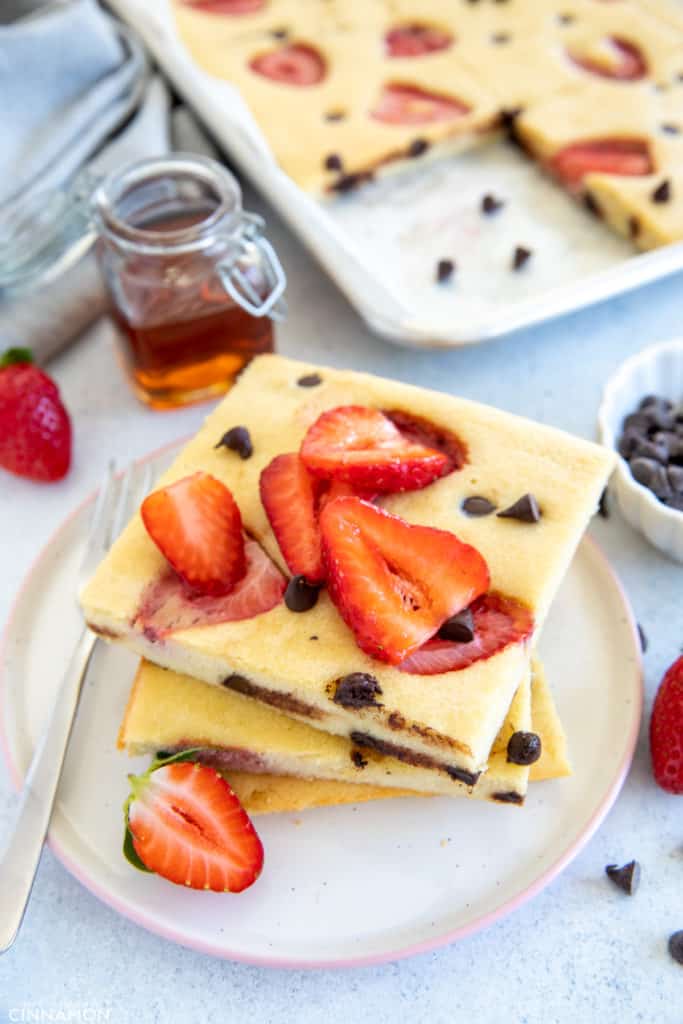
(35, 430)
(666, 730)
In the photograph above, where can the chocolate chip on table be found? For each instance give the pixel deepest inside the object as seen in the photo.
(491, 204)
(357, 690)
(237, 439)
(520, 256)
(626, 878)
(310, 380)
(300, 595)
(333, 162)
(642, 637)
(524, 748)
(662, 194)
(675, 946)
(417, 147)
(444, 270)
(476, 505)
(459, 628)
(525, 509)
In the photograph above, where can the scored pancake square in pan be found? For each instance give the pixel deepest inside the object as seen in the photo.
(448, 720)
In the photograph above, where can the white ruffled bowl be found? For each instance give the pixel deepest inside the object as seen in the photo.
(656, 370)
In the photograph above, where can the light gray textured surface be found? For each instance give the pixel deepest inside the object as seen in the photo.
(580, 951)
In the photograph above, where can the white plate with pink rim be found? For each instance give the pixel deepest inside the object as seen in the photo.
(341, 886)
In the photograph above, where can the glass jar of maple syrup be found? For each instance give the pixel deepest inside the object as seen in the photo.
(194, 285)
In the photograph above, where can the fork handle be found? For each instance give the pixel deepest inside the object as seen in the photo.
(20, 860)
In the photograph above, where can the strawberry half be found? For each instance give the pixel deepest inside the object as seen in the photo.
(498, 621)
(416, 40)
(294, 64)
(184, 823)
(666, 731)
(167, 605)
(197, 526)
(408, 104)
(292, 500)
(628, 157)
(628, 63)
(364, 448)
(394, 583)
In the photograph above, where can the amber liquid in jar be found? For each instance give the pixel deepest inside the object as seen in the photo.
(188, 347)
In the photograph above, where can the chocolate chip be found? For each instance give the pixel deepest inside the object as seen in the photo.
(508, 121)
(508, 798)
(335, 115)
(460, 775)
(659, 484)
(310, 380)
(300, 595)
(237, 439)
(499, 38)
(675, 475)
(675, 501)
(525, 509)
(633, 227)
(417, 147)
(646, 449)
(491, 204)
(656, 400)
(565, 19)
(333, 162)
(675, 946)
(279, 33)
(444, 270)
(478, 506)
(670, 129)
(628, 442)
(313, 637)
(592, 205)
(357, 690)
(627, 878)
(520, 256)
(459, 628)
(349, 182)
(603, 505)
(358, 759)
(642, 470)
(642, 638)
(662, 194)
(637, 421)
(524, 748)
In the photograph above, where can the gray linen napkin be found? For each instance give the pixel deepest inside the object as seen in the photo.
(70, 80)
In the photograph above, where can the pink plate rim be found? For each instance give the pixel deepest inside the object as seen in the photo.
(151, 924)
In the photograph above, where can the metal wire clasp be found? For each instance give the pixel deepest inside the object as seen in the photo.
(254, 277)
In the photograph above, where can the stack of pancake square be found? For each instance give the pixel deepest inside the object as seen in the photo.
(256, 697)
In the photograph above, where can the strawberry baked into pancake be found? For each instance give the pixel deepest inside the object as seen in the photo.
(431, 536)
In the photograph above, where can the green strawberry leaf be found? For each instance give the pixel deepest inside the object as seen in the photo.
(162, 758)
(130, 853)
(16, 355)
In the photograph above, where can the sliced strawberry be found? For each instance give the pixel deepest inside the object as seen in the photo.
(293, 500)
(188, 826)
(197, 526)
(293, 64)
(416, 40)
(167, 605)
(628, 157)
(628, 63)
(289, 496)
(498, 621)
(408, 104)
(394, 583)
(226, 6)
(364, 448)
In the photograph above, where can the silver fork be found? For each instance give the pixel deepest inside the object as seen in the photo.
(19, 863)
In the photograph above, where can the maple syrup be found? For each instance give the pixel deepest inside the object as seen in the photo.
(193, 285)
